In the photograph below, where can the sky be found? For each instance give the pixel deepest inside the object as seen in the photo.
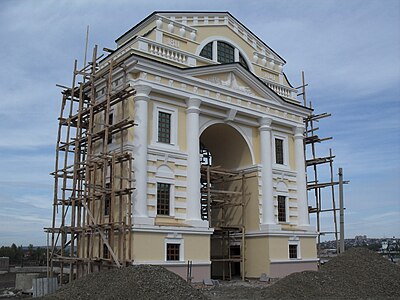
(348, 49)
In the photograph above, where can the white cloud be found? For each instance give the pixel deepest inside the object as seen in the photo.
(349, 50)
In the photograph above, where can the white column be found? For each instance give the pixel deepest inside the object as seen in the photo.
(140, 142)
(193, 207)
(268, 207)
(303, 220)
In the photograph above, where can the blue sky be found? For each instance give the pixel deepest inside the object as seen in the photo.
(349, 49)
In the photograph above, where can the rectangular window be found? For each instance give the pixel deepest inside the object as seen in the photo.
(292, 251)
(163, 194)
(164, 127)
(106, 253)
(279, 151)
(107, 199)
(110, 122)
(281, 208)
(173, 251)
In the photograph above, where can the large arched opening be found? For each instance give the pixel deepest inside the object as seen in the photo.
(226, 158)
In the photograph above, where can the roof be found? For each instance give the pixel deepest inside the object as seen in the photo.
(196, 12)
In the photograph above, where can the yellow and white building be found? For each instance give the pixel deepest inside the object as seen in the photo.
(203, 78)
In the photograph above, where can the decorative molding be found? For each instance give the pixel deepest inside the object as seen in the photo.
(231, 83)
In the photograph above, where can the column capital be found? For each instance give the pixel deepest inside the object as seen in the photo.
(298, 132)
(265, 123)
(142, 90)
(193, 105)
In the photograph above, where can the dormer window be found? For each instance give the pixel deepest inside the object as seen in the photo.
(223, 53)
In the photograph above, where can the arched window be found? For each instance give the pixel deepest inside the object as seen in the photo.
(207, 51)
(223, 53)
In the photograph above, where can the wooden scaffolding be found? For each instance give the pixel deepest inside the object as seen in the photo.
(224, 198)
(318, 202)
(91, 222)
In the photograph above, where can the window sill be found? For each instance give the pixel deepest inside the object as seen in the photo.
(164, 146)
(281, 167)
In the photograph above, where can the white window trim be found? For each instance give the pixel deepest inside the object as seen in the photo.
(174, 239)
(285, 139)
(286, 209)
(294, 241)
(173, 111)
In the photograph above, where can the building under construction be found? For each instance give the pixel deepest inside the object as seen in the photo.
(183, 147)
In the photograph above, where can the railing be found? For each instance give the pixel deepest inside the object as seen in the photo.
(282, 90)
(167, 53)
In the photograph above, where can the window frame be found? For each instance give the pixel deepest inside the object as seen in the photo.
(292, 251)
(294, 241)
(285, 214)
(107, 200)
(285, 150)
(238, 54)
(164, 122)
(173, 111)
(174, 238)
(176, 256)
(110, 123)
(169, 199)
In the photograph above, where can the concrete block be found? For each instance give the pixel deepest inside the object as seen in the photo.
(23, 281)
(264, 278)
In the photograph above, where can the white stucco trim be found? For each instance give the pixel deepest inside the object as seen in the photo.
(175, 239)
(285, 144)
(294, 240)
(173, 111)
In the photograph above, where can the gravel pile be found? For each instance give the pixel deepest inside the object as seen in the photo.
(133, 282)
(356, 274)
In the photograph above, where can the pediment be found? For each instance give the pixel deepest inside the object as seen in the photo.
(235, 78)
(231, 81)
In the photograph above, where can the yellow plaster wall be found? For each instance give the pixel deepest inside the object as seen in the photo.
(197, 247)
(308, 247)
(256, 257)
(182, 129)
(252, 214)
(148, 246)
(256, 146)
(278, 247)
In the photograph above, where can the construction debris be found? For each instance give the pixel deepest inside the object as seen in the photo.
(133, 282)
(356, 274)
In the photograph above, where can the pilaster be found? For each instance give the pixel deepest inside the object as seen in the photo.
(268, 207)
(140, 142)
(303, 218)
(193, 214)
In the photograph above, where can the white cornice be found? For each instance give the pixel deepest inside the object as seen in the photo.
(261, 233)
(181, 75)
